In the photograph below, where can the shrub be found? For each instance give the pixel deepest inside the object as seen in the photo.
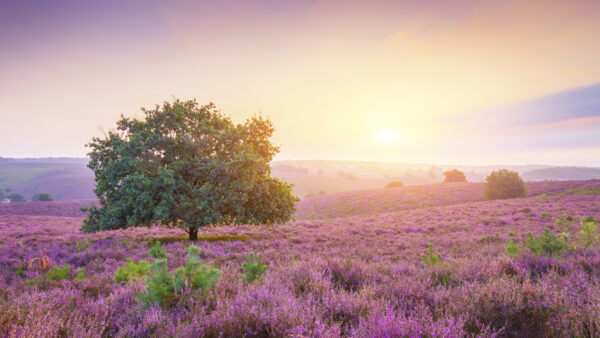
(431, 258)
(58, 273)
(394, 184)
(16, 198)
(160, 285)
(454, 175)
(546, 244)
(131, 270)
(80, 274)
(254, 269)
(196, 274)
(82, 245)
(512, 250)
(20, 271)
(589, 232)
(157, 251)
(124, 243)
(42, 197)
(503, 184)
(544, 197)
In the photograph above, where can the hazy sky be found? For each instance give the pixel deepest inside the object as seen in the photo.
(469, 82)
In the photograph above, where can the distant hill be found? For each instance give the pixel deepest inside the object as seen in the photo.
(64, 179)
(70, 179)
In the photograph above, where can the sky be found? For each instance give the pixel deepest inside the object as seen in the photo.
(459, 82)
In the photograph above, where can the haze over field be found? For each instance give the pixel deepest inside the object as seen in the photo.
(468, 82)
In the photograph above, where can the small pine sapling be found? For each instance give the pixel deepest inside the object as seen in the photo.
(546, 244)
(20, 271)
(431, 258)
(157, 251)
(196, 274)
(132, 270)
(58, 273)
(512, 250)
(160, 285)
(254, 269)
(80, 274)
(589, 232)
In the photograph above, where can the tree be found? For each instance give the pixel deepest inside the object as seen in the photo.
(504, 183)
(42, 197)
(14, 197)
(186, 166)
(394, 184)
(454, 175)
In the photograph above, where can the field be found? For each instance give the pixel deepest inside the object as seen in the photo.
(350, 265)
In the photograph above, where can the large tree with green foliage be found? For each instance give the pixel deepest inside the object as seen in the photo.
(188, 166)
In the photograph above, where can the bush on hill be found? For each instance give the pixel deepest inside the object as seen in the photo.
(454, 175)
(42, 197)
(503, 184)
(394, 184)
(14, 197)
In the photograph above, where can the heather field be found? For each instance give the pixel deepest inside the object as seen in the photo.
(350, 265)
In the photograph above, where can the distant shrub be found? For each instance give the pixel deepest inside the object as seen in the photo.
(58, 273)
(589, 232)
(20, 271)
(2, 194)
(546, 244)
(544, 197)
(503, 184)
(14, 197)
(82, 245)
(430, 258)
(157, 251)
(132, 270)
(394, 184)
(512, 250)
(80, 274)
(42, 197)
(454, 175)
(254, 269)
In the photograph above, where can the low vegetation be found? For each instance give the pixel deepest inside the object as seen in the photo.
(503, 184)
(394, 184)
(445, 266)
(454, 175)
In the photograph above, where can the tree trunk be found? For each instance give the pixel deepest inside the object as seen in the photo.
(193, 234)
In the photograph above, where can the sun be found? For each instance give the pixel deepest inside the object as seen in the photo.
(388, 135)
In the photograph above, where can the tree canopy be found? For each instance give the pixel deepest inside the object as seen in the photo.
(503, 184)
(14, 197)
(454, 175)
(188, 166)
(42, 197)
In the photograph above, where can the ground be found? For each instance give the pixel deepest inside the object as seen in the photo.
(349, 265)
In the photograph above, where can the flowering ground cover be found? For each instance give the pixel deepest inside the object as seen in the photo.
(410, 197)
(357, 275)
